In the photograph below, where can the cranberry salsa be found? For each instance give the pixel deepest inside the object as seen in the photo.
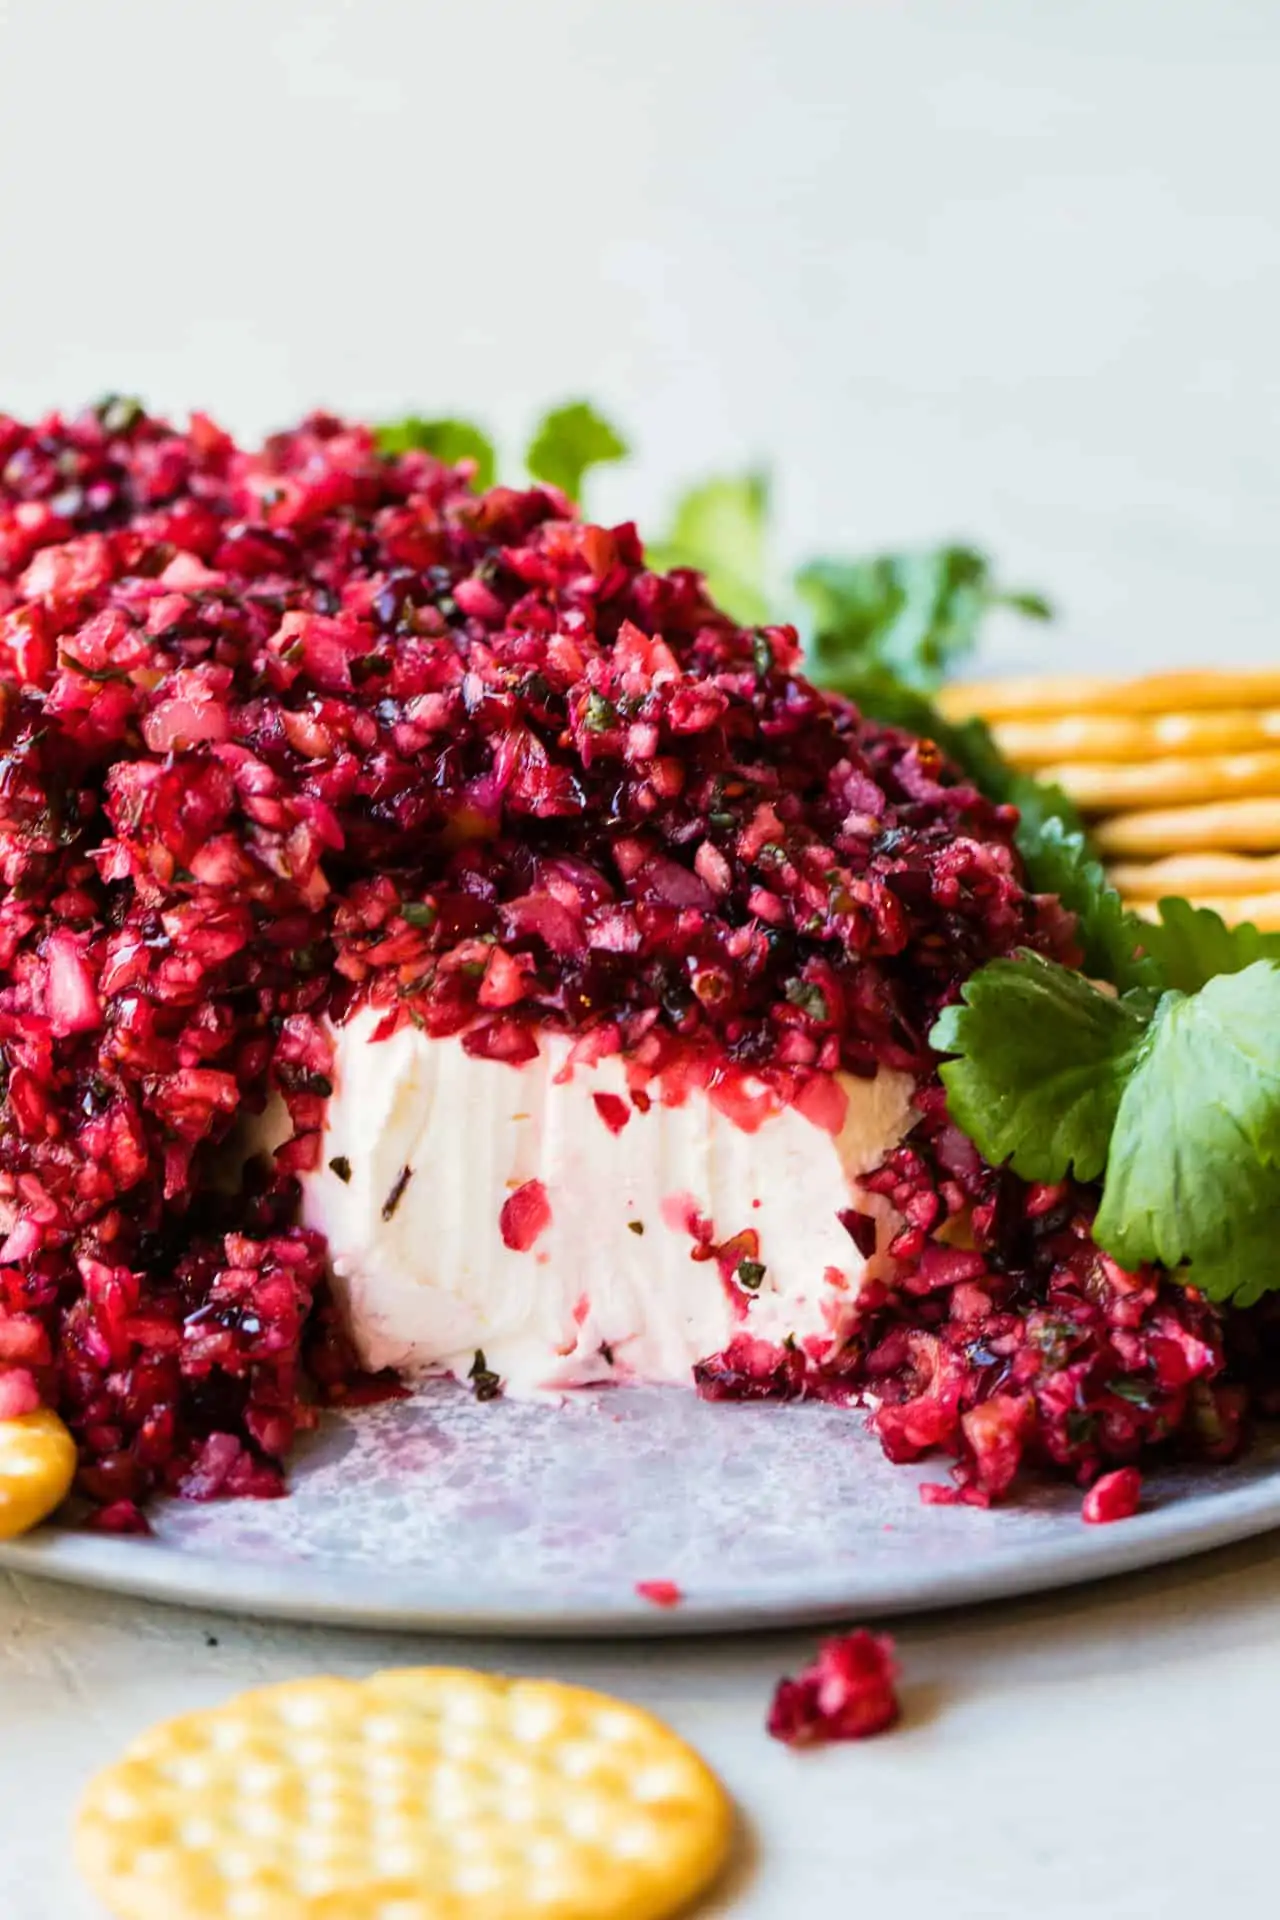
(295, 730)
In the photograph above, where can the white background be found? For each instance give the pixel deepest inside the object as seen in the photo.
(1006, 268)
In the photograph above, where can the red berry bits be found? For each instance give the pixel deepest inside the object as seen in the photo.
(524, 1216)
(660, 1593)
(294, 730)
(613, 1110)
(1114, 1497)
(849, 1693)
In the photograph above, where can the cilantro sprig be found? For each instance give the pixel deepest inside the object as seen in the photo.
(721, 528)
(1174, 1101)
(1196, 1142)
(1042, 1062)
(449, 440)
(915, 614)
(1192, 945)
(566, 443)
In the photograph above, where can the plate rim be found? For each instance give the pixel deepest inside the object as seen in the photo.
(310, 1593)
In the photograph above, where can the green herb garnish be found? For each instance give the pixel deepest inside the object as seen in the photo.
(448, 440)
(1042, 1059)
(721, 529)
(1174, 1101)
(485, 1384)
(914, 615)
(568, 442)
(419, 913)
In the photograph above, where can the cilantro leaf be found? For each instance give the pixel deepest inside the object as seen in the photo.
(1191, 945)
(916, 614)
(449, 440)
(1244, 1269)
(1041, 1063)
(720, 528)
(1197, 1135)
(1033, 606)
(1059, 861)
(568, 441)
(1038, 802)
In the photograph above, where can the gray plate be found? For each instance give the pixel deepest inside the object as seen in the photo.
(441, 1513)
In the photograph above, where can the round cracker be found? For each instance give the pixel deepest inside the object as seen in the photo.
(1233, 826)
(1072, 693)
(1184, 874)
(1036, 743)
(425, 1794)
(37, 1466)
(1261, 910)
(1099, 786)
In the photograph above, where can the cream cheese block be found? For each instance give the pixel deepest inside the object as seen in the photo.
(539, 1218)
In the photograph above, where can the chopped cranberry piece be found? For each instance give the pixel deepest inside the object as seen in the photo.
(661, 1593)
(524, 1216)
(1114, 1497)
(848, 1693)
(612, 1110)
(120, 1516)
(861, 1229)
(19, 1393)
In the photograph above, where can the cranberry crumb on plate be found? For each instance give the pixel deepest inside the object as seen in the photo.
(660, 1593)
(1114, 1496)
(433, 941)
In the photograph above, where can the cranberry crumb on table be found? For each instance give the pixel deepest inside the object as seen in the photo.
(847, 1693)
(295, 732)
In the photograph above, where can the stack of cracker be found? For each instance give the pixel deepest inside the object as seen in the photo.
(1178, 775)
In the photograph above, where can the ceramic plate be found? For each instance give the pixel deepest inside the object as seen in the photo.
(446, 1514)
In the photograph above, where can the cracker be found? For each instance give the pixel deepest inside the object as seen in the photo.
(1035, 743)
(1072, 693)
(1232, 826)
(1189, 873)
(37, 1466)
(1099, 786)
(1262, 910)
(426, 1794)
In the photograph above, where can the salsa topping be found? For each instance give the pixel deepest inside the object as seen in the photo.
(288, 730)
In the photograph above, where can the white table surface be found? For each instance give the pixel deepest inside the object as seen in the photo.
(1107, 1752)
(1008, 268)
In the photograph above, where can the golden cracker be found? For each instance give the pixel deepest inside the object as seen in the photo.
(1072, 693)
(1232, 826)
(37, 1466)
(1098, 786)
(425, 1794)
(1261, 910)
(1036, 743)
(1185, 874)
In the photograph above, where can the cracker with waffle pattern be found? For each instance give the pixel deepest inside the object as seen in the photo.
(433, 1793)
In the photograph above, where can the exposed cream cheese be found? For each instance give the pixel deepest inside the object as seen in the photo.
(619, 1279)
